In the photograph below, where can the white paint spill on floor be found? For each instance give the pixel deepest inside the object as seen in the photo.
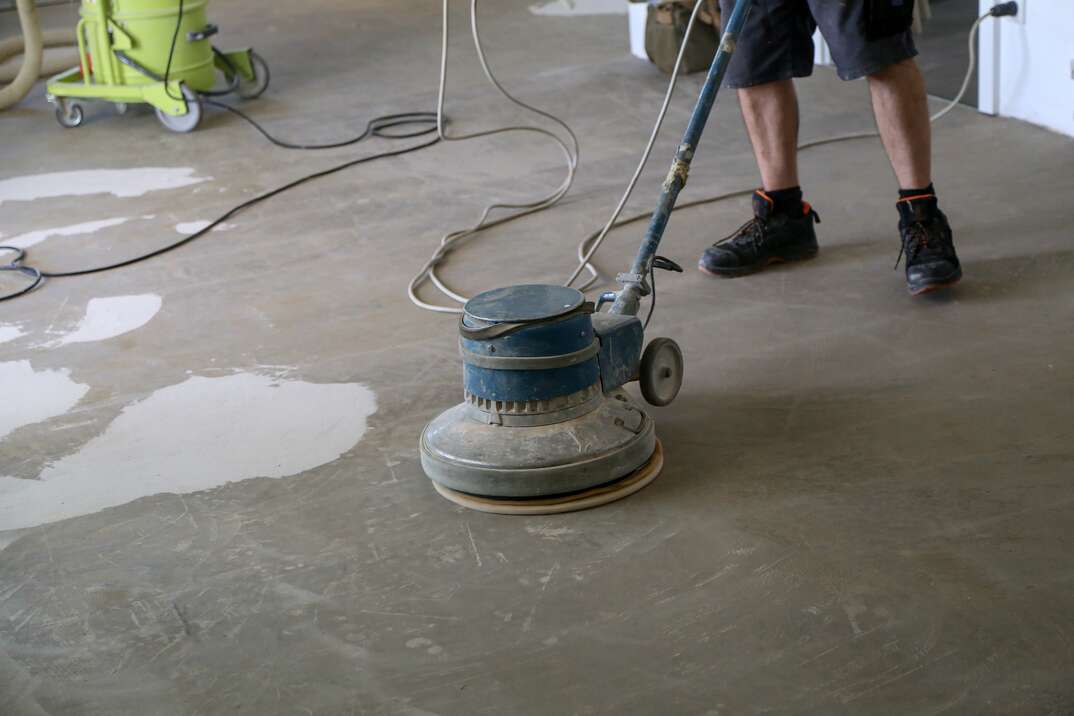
(199, 434)
(9, 332)
(113, 316)
(580, 7)
(119, 182)
(31, 238)
(32, 396)
(191, 227)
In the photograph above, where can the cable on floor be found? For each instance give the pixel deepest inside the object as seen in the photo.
(376, 127)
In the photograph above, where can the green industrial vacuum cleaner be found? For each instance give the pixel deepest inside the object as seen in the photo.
(156, 52)
(546, 425)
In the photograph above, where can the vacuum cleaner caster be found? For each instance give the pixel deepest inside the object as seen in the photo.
(661, 371)
(69, 115)
(183, 123)
(252, 89)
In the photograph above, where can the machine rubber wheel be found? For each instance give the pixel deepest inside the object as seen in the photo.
(69, 116)
(660, 374)
(121, 108)
(183, 122)
(252, 89)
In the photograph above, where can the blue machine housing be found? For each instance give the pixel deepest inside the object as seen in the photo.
(537, 342)
(621, 338)
(495, 380)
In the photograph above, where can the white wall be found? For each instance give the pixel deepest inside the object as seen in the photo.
(1026, 64)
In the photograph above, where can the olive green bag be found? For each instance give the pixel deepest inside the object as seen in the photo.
(665, 26)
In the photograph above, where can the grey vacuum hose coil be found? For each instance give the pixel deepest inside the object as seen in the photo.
(31, 46)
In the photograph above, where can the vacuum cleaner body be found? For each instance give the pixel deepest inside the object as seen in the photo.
(544, 412)
(128, 54)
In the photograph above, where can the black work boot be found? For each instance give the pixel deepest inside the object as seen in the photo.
(768, 238)
(927, 243)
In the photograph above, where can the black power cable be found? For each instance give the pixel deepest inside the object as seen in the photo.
(237, 209)
(376, 127)
(15, 266)
(38, 276)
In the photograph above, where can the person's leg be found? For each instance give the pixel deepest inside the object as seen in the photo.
(770, 112)
(874, 40)
(782, 225)
(900, 105)
(774, 47)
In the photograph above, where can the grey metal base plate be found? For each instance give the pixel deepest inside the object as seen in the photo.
(584, 500)
(467, 455)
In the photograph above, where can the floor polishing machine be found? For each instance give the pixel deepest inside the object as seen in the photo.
(545, 425)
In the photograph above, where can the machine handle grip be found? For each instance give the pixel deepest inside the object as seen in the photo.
(203, 34)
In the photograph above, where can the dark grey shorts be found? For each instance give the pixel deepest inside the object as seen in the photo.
(777, 41)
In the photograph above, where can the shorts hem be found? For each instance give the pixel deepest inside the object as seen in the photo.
(745, 82)
(892, 54)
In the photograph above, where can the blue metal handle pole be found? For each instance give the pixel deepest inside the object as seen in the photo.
(634, 283)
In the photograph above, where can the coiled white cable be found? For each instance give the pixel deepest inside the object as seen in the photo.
(452, 239)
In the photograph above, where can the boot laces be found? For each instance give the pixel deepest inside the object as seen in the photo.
(915, 240)
(751, 234)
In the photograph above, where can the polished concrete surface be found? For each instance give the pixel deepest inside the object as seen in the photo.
(866, 505)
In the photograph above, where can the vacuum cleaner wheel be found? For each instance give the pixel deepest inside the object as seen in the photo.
(183, 123)
(252, 89)
(583, 500)
(69, 115)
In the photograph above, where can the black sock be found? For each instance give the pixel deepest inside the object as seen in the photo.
(923, 191)
(786, 201)
(917, 204)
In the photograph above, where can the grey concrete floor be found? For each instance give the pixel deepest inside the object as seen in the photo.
(867, 503)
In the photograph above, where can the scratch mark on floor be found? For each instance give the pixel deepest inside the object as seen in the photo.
(768, 567)
(473, 545)
(896, 677)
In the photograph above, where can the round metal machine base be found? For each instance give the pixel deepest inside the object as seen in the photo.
(461, 451)
(584, 500)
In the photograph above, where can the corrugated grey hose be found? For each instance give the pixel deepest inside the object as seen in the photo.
(31, 46)
(33, 50)
(50, 63)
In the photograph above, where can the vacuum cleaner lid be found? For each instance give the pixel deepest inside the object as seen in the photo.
(525, 303)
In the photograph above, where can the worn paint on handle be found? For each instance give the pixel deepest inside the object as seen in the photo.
(634, 288)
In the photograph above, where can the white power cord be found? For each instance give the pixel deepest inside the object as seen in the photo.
(585, 253)
(589, 246)
(452, 239)
(969, 70)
